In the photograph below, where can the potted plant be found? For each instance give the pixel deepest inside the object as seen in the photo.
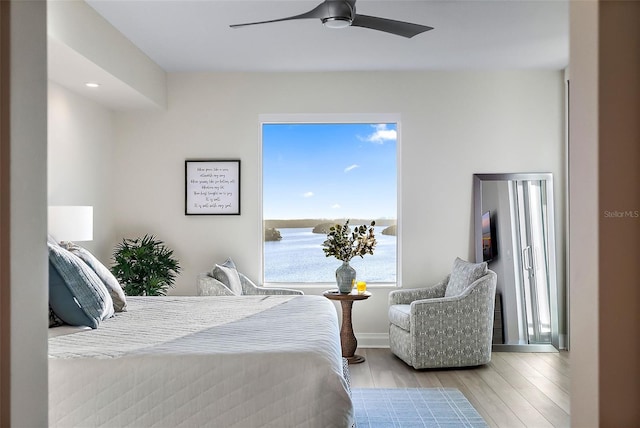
(344, 244)
(144, 266)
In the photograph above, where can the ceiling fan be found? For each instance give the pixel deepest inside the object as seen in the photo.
(342, 13)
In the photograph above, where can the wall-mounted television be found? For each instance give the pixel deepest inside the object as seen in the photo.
(488, 238)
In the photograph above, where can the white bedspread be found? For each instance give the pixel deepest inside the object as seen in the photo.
(250, 361)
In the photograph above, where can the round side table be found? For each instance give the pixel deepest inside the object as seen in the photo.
(347, 338)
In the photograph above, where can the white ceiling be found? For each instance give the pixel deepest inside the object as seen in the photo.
(478, 34)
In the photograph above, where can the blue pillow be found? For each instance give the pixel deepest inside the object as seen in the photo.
(105, 275)
(76, 294)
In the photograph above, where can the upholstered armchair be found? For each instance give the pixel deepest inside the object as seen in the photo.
(209, 286)
(225, 280)
(447, 325)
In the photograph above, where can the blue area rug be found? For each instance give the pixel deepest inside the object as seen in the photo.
(413, 407)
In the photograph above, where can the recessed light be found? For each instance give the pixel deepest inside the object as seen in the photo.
(92, 85)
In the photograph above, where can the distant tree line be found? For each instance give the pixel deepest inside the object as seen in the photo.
(313, 222)
(271, 233)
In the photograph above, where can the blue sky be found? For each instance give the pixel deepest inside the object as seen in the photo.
(329, 170)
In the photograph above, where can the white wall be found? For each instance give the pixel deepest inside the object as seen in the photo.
(80, 161)
(454, 124)
(29, 292)
(584, 263)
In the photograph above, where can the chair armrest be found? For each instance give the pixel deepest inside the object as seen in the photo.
(406, 296)
(249, 288)
(209, 286)
(478, 299)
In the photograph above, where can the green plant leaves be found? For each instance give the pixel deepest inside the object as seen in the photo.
(344, 245)
(144, 266)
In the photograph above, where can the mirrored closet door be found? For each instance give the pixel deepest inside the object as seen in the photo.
(515, 235)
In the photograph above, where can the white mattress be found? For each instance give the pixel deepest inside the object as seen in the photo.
(250, 361)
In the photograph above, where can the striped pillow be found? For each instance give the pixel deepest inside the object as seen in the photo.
(105, 275)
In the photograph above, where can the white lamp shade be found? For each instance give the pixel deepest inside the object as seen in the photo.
(71, 223)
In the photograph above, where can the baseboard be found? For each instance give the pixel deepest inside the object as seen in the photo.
(373, 340)
(381, 340)
(501, 347)
(562, 342)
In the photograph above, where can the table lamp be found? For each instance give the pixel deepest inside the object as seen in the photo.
(71, 223)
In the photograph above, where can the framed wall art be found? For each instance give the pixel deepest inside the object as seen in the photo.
(212, 187)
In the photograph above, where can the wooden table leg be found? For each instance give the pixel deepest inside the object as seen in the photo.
(348, 340)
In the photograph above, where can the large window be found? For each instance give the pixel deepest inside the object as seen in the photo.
(316, 174)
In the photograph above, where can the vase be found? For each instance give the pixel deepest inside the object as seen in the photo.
(345, 275)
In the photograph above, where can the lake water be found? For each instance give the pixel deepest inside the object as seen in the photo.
(298, 257)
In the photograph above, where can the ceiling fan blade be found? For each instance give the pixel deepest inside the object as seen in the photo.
(400, 28)
(316, 12)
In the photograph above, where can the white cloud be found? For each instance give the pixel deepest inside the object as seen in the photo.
(351, 167)
(336, 206)
(382, 134)
(307, 194)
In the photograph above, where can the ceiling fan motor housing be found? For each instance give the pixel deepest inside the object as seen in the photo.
(339, 14)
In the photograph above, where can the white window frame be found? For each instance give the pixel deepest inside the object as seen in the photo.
(302, 118)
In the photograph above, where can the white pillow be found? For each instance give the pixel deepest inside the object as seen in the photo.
(229, 277)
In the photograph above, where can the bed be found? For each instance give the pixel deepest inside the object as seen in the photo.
(248, 361)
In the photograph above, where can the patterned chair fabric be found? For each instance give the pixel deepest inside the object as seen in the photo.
(429, 330)
(209, 286)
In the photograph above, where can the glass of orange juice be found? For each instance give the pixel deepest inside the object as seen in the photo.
(362, 287)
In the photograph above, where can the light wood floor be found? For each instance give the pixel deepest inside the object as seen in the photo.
(514, 390)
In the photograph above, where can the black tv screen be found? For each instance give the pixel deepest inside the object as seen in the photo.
(488, 245)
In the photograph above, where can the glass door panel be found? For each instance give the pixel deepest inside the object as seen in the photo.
(532, 243)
